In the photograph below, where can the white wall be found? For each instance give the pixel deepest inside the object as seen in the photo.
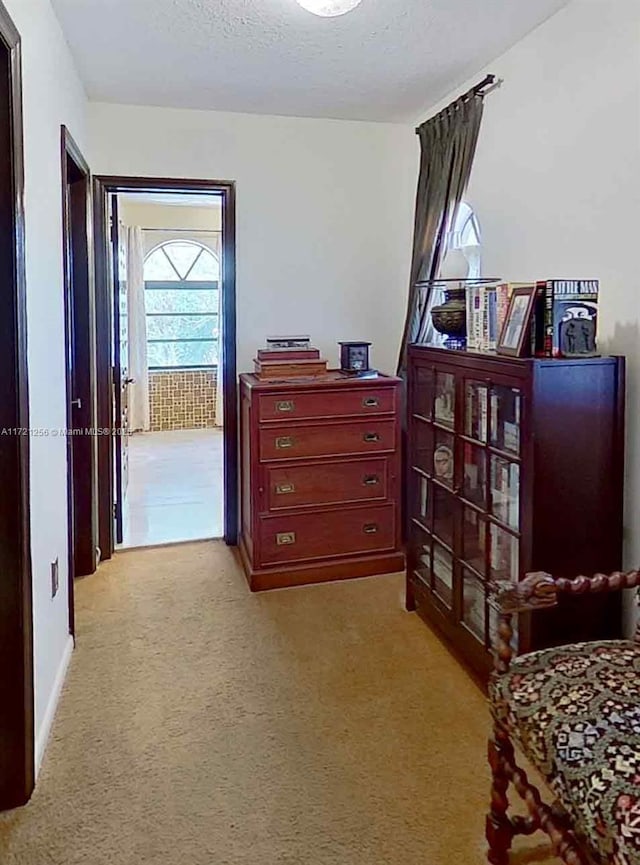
(52, 95)
(154, 215)
(324, 214)
(556, 180)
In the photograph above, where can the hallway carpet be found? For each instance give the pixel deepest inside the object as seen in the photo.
(203, 725)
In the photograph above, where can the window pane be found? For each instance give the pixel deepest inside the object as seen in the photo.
(182, 255)
(206, 268)
(158, 267)
(181, 300)
(182, 327)
(182, 353)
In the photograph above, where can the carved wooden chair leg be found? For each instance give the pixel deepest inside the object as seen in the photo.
(563, 840)
(560, 815)
(499, 829)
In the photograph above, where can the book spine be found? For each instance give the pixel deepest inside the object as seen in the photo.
(548, 288)
(469, 297)
(483, 318)
(493, 319)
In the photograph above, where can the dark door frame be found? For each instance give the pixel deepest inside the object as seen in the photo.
(103, 186)
(79, 314)
(17, 740)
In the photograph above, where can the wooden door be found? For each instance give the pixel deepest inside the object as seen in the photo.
(79, 350)
(121, 378)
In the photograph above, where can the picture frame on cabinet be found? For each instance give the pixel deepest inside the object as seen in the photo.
(514, 339)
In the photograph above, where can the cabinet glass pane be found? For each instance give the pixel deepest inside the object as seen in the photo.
(422, 447)
(474, 484)
(443, 515)
(443, 458)
(505, 491)
(476, 410)
(474, 540)
(473, 605)
(421, 554)
(442, 574)
(493, 629)
(445, 399)
(506, 403)
(423, 391)
(421, 508)
(504, 554)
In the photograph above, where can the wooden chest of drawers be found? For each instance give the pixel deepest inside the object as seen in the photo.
(320, 479)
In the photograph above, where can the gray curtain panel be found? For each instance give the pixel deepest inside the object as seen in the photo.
(447, 147)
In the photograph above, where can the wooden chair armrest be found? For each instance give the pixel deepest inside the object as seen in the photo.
(538, 591)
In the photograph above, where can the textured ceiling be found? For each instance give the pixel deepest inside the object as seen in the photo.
(387, 60)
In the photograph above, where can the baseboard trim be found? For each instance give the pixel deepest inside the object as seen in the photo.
(42, 735)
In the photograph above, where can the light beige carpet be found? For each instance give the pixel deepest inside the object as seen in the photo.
(203, 725)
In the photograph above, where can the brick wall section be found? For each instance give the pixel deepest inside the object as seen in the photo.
(182, 399)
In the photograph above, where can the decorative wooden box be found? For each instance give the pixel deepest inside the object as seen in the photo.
(320, 479)
(514, 465)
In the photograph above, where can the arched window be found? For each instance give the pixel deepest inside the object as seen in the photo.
(181, 289)
(465, 236)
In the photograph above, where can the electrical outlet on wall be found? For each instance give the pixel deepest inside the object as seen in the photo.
(55, 578)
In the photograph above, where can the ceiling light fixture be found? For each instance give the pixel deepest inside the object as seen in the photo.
(329, 8)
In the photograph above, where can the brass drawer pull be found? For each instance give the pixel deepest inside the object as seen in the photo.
(285, 538)
(284, 442)
(371, 437)
(370, 402)
(281, 489)
(370, 528)
(285, 405)
(370, 480)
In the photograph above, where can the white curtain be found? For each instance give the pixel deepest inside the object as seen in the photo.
(138, 364)
(219, 382)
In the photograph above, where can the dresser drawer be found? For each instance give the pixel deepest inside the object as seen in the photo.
(293, 442)
(326, 484)
(338, 403)
(297, 537)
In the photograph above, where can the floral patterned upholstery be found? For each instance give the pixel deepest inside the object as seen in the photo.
(575, 712)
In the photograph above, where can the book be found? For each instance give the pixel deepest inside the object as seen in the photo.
(571, 317)
(482, 318)
(469, 323)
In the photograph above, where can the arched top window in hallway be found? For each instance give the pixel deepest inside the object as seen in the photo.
(182, 305)
(465, 236)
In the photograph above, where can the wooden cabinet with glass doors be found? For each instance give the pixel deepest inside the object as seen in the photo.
(513, 465)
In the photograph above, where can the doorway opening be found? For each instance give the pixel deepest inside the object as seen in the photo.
(172, 483)
(166, 301)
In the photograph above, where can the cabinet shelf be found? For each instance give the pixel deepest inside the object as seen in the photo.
(485, 504)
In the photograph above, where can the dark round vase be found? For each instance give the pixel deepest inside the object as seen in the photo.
(450, 318)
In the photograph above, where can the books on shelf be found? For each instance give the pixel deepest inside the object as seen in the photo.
(570, 309)
(564, 320)
(487, 307)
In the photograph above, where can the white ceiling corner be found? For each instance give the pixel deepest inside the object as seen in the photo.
(385, 61)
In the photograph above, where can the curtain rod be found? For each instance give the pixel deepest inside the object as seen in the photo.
(190, 230)
(488, 83)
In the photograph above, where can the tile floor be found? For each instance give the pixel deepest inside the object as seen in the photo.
(175, 487)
